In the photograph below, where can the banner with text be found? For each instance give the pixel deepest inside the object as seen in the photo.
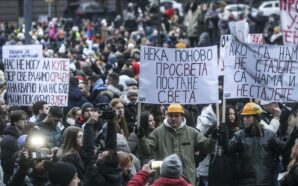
(186, 76)
(266, 72)
(33, 79)
(22, 51)
(289, 20)
(226, 40)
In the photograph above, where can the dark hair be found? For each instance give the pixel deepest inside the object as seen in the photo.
(144, 122)
(73, 81)
(111, 160)
(38, 105)
(17, 115)
(56, 112)
(115, 78)
(230, 124)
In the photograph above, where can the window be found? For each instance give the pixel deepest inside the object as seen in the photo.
(268, 6)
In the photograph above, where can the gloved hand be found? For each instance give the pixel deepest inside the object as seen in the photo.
(140, 132)
(223, 129)
(212, 132)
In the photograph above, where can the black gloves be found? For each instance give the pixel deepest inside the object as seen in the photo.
(212, 131)
(140, 132)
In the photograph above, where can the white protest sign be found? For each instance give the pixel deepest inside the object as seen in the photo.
(225, 42)
(186, 76)
(289, 20)
(22, 51)
(33, 79)
(240, 30)
(265, 72)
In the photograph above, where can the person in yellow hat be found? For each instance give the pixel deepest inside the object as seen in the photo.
(257, 149)
(175, 137)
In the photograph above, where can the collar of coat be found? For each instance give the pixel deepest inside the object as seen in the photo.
(165, 121)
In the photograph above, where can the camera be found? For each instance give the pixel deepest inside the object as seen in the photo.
(156, 165)
(37, 150)
(106, 111)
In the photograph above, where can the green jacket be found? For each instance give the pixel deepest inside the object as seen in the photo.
(184, 141)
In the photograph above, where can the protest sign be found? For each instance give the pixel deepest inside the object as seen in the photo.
(22, 51)
(186, 76)
(266, 72)
(33, 79)
(289, 20)
(225, 42)
(240, 30)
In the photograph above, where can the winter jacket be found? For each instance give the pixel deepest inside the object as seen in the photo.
(23, 177)
(140, 179)
(184, 141)
(52, 135)
(103, 175)
(76, 160)
(257, 156)
(204, 122)
(223, 167)
(133, 142)
(8, 148)
(75, 98)
(292, 177)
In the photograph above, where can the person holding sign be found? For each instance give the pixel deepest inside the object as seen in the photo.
(174, 136)
(257, 148)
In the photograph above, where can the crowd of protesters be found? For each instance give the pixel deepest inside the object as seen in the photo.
(97, 140)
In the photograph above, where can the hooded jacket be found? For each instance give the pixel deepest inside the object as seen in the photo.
(103, 174)
(257, 155)
(204, 122)
(75, 98)
(184, 141)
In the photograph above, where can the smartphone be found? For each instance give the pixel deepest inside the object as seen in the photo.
(156, 164)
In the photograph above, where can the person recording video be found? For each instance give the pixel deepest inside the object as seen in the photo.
(170, 170)
(30, 169)
(102, 168)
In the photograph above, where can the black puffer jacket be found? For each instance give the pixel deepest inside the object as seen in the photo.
(257, 156)
(8, 148)
(292, 178)
(103, 174)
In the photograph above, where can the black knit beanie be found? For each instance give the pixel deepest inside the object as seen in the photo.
(86, 105)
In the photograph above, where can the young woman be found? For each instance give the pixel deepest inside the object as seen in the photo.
(147, 124)
(121, 123)
(72, 144)
(232, 121)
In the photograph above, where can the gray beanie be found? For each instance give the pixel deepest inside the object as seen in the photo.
(86, 105)
(171, 167)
